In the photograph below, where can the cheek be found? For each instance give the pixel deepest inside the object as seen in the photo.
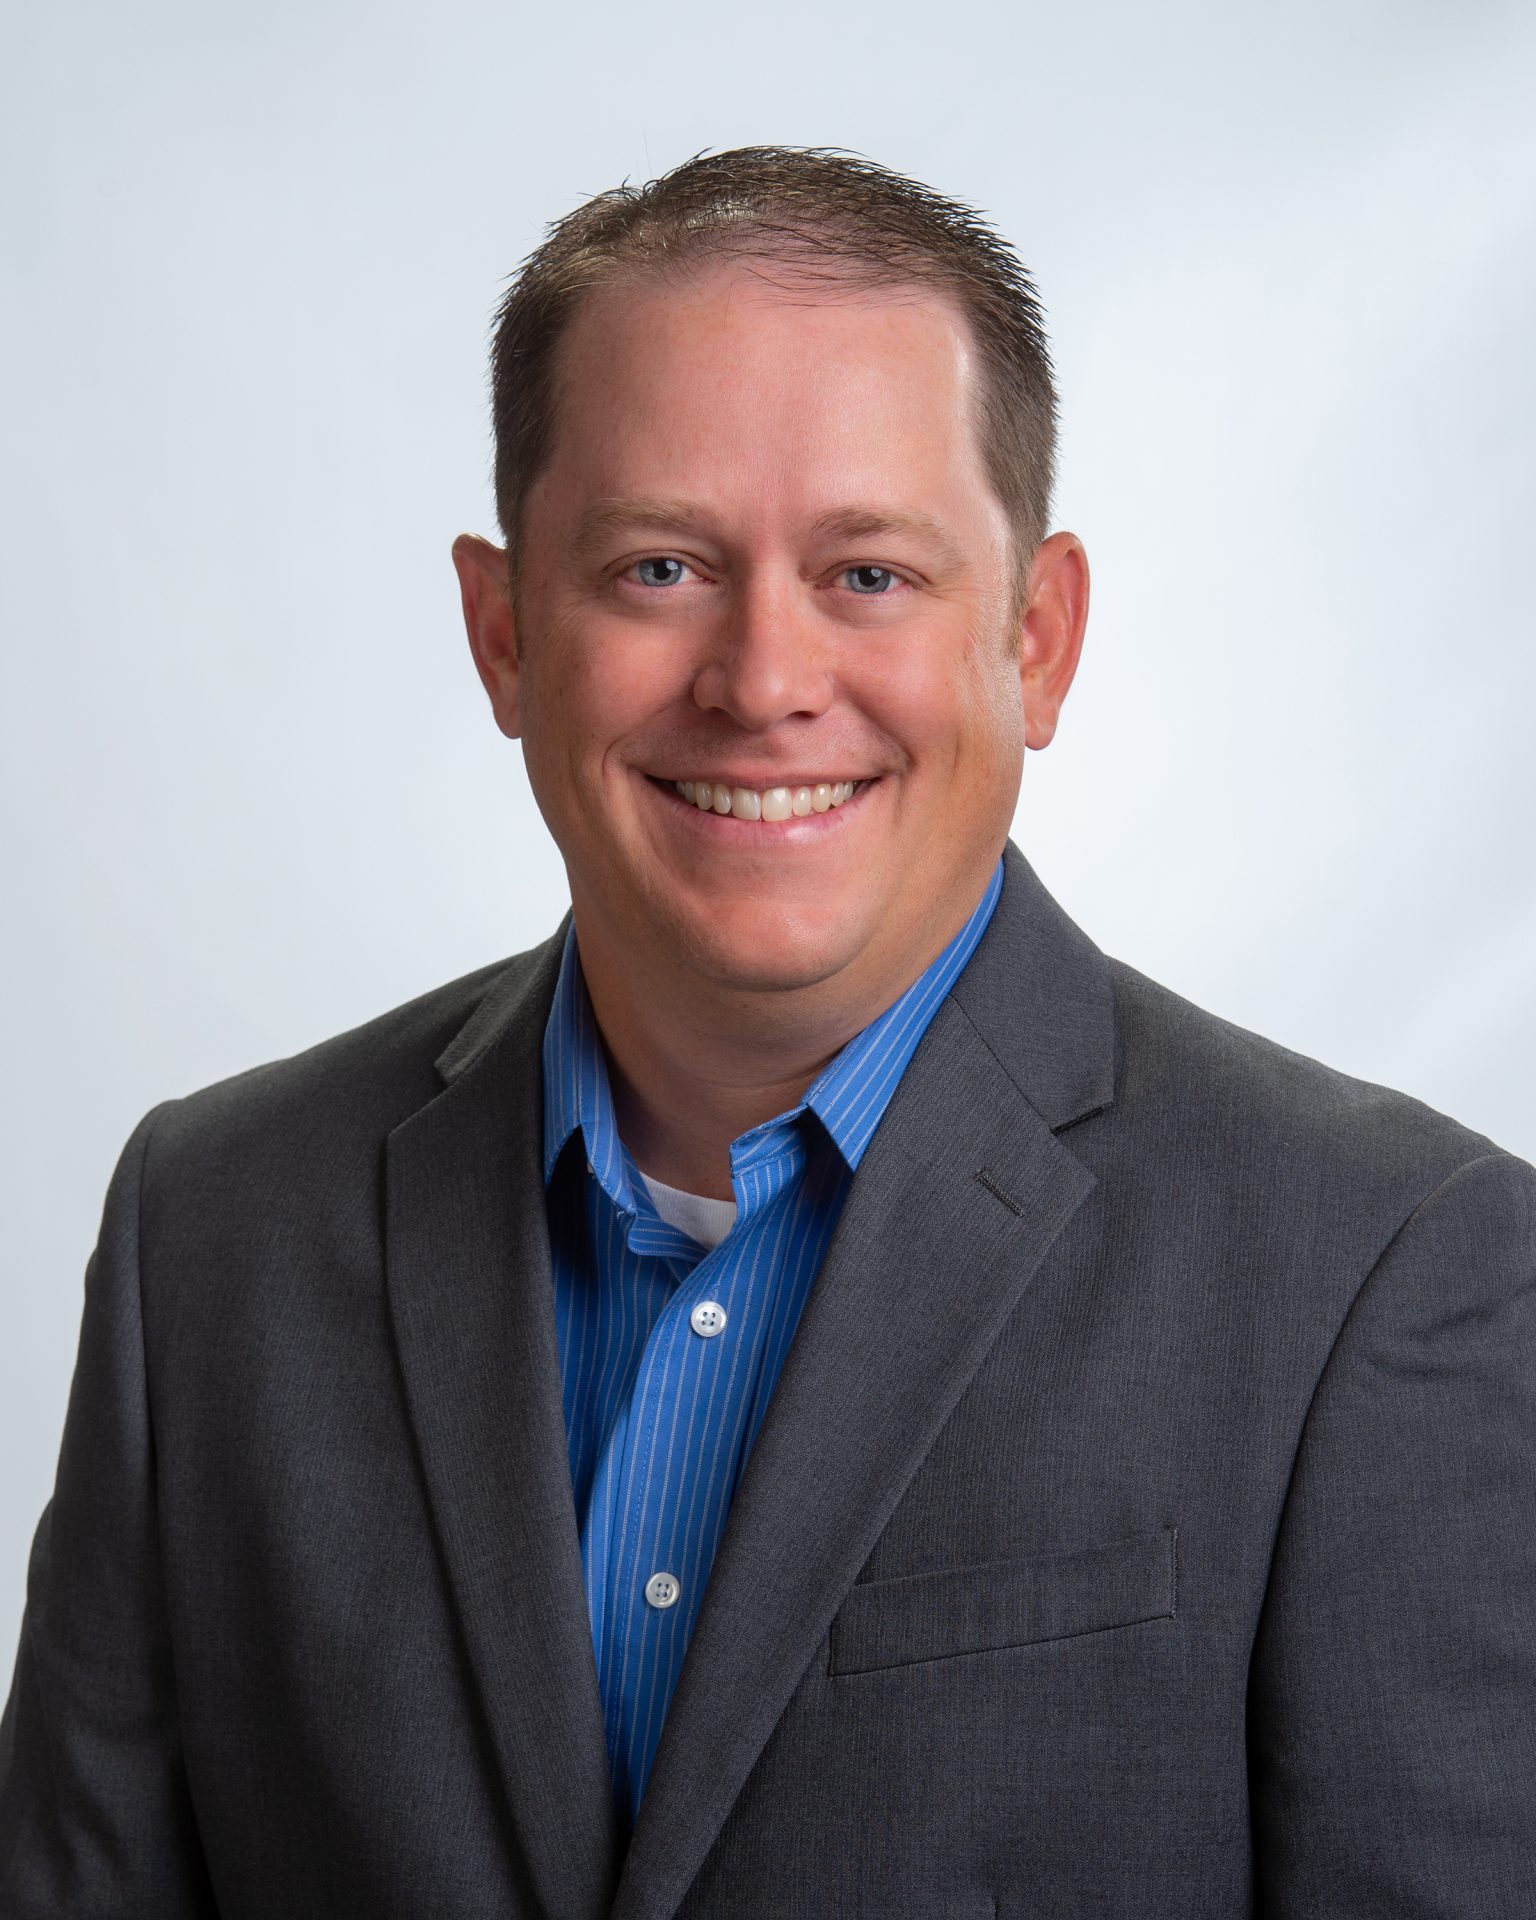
(998, 712)
(955, 705)
(992, 700)
(588, 688)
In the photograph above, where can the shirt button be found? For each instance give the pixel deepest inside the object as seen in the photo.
(661, 1590)
(708, 1318)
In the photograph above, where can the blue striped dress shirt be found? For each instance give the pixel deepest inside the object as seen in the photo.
(668, 1352)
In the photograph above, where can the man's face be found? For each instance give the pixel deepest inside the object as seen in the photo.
(764, 558)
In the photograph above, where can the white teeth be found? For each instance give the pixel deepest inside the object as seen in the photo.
(770, 803)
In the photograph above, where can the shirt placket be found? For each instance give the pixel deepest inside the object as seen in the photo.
(693, 1386)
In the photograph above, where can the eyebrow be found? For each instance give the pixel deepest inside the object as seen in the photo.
(873, 523)
(615, 514)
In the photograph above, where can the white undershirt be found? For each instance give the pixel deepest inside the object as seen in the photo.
(707, 1221)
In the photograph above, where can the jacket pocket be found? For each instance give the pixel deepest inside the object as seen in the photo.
(1005, 1603)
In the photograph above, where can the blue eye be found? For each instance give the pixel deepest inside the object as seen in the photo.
(871, 588)
(660, 560)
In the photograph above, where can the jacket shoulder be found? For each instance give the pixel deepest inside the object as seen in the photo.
(1218, 1095)
(355, 1084)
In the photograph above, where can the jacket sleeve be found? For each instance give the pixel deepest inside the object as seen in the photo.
(1392, 1699)
(96, 1821)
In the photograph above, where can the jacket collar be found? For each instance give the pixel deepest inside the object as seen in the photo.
(1038, 993)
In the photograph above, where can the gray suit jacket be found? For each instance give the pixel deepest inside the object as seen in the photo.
(1144, 1524)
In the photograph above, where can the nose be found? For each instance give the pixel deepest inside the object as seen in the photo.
(768, 661)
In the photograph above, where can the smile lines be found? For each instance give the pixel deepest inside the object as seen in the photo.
(769, 803)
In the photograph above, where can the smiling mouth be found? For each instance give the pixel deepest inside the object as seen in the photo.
(765, 803)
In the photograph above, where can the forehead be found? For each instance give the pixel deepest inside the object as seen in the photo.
(739, 375)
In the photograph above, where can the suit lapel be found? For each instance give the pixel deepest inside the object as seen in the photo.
(470, 1288)
(960, 1197)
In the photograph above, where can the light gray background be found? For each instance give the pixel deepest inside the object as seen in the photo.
(253, 791)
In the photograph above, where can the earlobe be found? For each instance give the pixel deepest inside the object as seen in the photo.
(491, 625)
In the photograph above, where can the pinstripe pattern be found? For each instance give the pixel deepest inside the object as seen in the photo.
(659, 1419)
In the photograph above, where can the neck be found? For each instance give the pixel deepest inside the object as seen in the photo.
(693, 1064)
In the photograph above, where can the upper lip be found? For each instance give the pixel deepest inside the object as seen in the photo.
(764, 783)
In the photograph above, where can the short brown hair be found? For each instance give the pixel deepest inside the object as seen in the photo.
(830, 217)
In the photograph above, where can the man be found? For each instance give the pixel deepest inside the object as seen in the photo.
(814, 1392)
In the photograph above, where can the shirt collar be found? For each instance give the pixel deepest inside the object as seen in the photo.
(576, 1090)
(851, 1093)
(849, 1096)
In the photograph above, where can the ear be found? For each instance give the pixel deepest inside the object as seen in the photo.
(1051, 632)
(488, 618)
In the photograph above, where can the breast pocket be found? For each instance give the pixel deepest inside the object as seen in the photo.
(1006, 1603)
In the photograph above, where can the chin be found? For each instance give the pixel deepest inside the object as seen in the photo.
(772, 957)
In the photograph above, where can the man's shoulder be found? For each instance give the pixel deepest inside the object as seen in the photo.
(1221, 1099)
(354, 1085)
